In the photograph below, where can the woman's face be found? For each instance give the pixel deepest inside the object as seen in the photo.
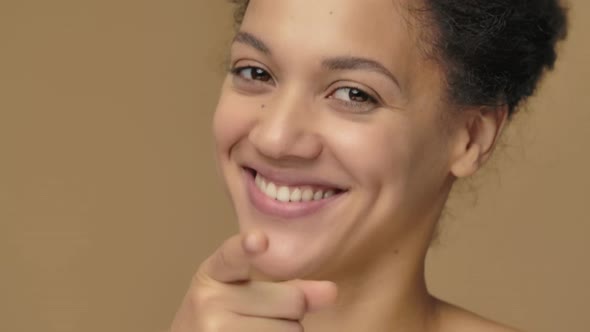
(330, 135)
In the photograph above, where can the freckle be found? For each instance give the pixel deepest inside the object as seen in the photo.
(396, 251)
(331, 12)
(262, 106)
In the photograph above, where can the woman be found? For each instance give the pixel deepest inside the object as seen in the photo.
(341, 129)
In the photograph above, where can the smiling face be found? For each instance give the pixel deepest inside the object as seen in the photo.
(330, 135)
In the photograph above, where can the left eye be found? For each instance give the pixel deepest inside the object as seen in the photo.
(353, 95)
(252, 73)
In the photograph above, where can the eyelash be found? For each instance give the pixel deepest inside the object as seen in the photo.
(370, 100)
(238, 70)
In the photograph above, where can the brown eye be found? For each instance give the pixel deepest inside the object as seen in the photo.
(252, 74)
(353, 95)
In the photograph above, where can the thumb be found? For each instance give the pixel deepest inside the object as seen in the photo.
(318, 294)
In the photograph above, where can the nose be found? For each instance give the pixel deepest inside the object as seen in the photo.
(285, 129)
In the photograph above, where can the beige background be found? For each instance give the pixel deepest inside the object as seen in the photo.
(108, 194)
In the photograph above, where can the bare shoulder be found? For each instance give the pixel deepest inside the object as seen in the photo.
(455, 319)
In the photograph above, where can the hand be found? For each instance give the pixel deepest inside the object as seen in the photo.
(223, 296)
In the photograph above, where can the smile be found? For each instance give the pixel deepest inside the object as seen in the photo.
(291, 194)
(287, 200)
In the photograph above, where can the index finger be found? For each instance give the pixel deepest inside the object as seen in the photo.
(231, 261)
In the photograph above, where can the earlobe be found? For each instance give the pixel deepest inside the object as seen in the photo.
(468, 163)
(477, 139)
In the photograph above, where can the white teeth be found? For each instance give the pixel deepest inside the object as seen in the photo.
(271, 190)
(307, 195)
(318, 195)
(260, 182)
(283, 194)
(295, 195)
(286, 194)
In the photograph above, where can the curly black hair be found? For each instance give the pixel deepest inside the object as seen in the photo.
(494, 52)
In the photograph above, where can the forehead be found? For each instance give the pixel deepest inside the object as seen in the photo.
(377, 29)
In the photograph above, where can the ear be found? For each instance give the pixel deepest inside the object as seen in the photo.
(476, 138)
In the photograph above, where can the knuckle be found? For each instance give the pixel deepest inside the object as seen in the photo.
(214, 324)
(223, 256)
(202, 279)
(204, 295)
(203, 298)
(210, 315)
(297, 304)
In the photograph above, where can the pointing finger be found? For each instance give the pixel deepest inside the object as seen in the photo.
(232, 261)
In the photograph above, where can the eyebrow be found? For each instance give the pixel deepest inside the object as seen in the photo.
(335, 63)
(358, 63)
(251, 40)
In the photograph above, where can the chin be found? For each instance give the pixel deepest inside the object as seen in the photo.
(290, 255)
(275, 267)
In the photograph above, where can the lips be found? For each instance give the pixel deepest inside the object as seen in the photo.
(288, 197)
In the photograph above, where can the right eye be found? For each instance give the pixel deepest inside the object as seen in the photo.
(251, 73)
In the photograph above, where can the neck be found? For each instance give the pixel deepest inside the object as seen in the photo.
(377, 303)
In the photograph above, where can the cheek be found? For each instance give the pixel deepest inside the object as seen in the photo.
(428, 177)
(231, 122)
(376, 154)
